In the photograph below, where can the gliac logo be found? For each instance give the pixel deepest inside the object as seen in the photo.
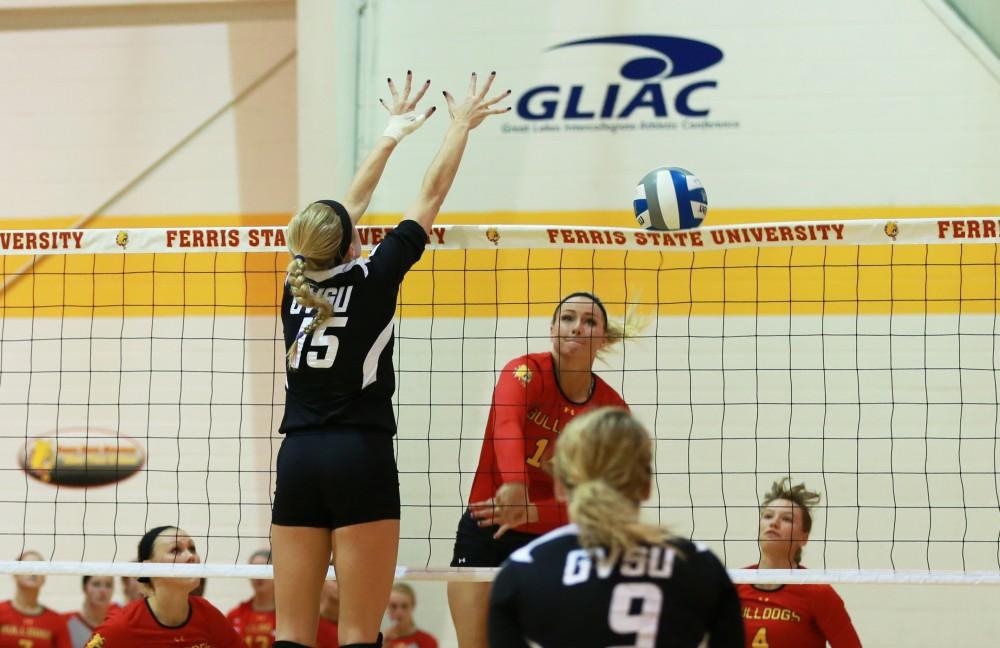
(892, 229)
(121, 239)
(642, 92)
(81, 457)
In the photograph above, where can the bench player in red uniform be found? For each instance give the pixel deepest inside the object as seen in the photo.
(26, 623)
(170, 616)
(404, 632)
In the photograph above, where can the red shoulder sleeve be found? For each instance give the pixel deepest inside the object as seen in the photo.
(519, 385)
(833, 620)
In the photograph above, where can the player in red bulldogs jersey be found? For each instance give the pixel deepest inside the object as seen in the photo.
(170, 616)
(26, 623)
(513, 500)
(791, 616)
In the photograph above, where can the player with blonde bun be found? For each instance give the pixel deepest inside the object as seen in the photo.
(608, 578)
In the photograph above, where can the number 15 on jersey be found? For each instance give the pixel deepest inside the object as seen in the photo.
(323, 345)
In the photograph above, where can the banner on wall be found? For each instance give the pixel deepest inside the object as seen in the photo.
(81, 457)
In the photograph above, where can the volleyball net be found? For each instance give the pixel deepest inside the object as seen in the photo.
(142, 379)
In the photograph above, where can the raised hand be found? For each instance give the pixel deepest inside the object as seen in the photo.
(476, 107)
(403, 115)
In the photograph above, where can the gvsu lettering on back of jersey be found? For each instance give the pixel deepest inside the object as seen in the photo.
(655, 562)
(338, 297)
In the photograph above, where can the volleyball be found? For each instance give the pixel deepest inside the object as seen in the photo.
(670, 198)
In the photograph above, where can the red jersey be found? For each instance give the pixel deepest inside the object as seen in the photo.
(417, 639)
(135, 625)
(528, 412)
(47, 629)
(327, 636)
(255, 628)
(795, 616)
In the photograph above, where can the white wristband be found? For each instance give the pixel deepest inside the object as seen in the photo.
(402, 125)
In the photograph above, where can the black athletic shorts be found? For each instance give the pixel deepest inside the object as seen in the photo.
(475, 546)
(336, 478)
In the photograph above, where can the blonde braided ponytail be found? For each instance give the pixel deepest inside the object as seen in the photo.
(314, 238)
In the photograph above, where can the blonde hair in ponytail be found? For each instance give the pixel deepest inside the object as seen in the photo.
(604, 460)
(314, 237)
(615, 330)
(618, 330)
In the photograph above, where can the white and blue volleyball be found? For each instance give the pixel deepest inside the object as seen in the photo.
(670, 198)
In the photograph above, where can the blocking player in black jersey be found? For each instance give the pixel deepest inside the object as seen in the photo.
(337, 486)
(607, 579)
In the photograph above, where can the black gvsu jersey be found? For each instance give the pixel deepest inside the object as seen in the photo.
(554, 594)
(342, 374)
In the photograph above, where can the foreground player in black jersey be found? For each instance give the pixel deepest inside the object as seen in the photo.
(337, 487)
(607, 579)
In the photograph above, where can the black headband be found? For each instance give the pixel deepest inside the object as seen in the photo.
(346, 227)
(146, 546)
(590, 296)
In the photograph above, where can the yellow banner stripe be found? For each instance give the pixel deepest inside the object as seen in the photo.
(490, 283)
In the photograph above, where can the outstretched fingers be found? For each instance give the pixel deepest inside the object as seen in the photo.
(486, 86)
(392, 90)
(407, 85)
(420, 93)
(401, 101)
(500, 97)
(475, 107)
